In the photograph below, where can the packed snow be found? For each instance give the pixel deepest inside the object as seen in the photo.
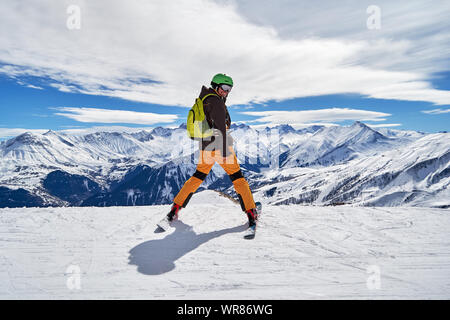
(300, 252)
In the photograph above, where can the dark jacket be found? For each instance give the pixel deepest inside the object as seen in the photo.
(217, 115)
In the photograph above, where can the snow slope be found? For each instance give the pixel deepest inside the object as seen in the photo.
(301, 252)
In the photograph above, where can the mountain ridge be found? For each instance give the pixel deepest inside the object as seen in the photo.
(313, 165)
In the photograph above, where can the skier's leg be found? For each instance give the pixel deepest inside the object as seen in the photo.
(206, 161)
(231, 166)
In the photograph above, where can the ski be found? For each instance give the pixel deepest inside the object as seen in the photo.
(251, 231)
(164, 224)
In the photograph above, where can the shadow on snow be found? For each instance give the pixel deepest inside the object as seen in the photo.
(156, 257)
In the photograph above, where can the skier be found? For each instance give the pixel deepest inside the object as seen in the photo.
(218, 148)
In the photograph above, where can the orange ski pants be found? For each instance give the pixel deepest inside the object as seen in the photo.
(230, 165)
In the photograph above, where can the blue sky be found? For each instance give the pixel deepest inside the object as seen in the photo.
(293, 63)
(29, 108)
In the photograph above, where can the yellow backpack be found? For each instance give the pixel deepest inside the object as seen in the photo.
(197, 127)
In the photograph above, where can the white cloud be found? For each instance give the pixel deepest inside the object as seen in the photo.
(34, 87)
(13, 132)
(437, 111)
(412, 37)
(181, 44)
(29, 85)
(296, 126)
(114, 116)
(6, 133)
(310, 116)
(84, 131)
(384, 125)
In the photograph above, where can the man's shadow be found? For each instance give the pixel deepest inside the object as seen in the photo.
(156, 257)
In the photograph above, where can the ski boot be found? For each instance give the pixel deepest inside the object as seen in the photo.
(252, 215)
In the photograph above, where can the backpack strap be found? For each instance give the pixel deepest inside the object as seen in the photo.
(208, 95)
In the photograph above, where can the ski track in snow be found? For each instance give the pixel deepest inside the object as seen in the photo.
(300, 252)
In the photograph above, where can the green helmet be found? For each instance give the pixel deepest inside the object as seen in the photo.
(221, 78)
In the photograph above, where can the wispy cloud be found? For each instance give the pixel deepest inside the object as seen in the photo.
(296, 126)
(436, 111)
(95, 115)
(163, 51)
(384, 125)
(34, 87)
(84, 131)
(29, 85)
(6, 133)
(310, 116)
(402, 42)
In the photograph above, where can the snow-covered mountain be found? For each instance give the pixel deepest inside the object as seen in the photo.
(315, 165)
(358, 165)
(417, 174)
